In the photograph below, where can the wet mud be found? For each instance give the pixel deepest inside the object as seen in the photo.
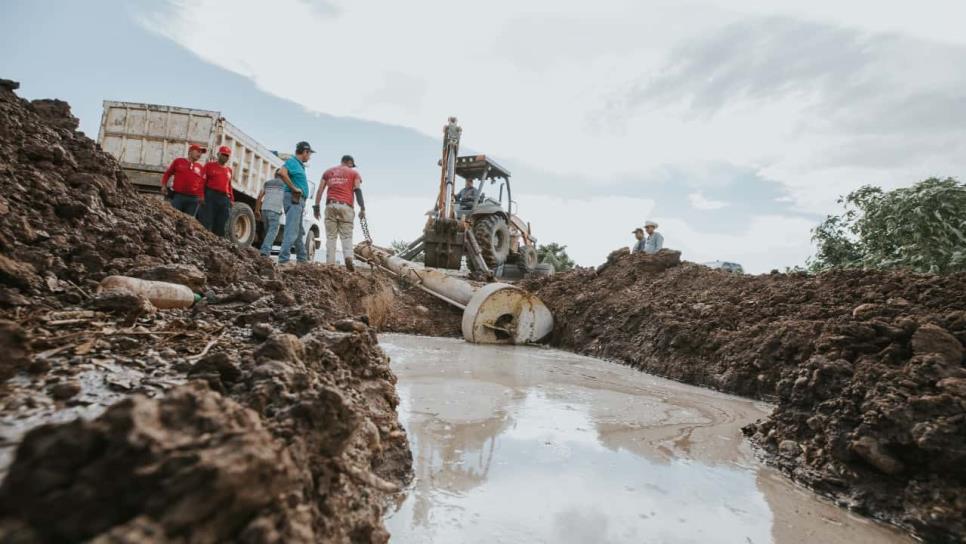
(865, 369)
(516, 444)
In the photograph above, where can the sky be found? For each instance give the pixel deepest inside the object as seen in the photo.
(734, 124)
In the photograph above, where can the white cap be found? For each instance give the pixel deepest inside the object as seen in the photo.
(650, 224)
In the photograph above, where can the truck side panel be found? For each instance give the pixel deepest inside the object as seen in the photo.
(251, 162)
(147, 137)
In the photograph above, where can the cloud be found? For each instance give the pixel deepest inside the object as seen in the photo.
(846, 107)
(759, 104)
(700, 202)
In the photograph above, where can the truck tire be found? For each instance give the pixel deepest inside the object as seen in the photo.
(493, 236)
(527, 259)
(241, 227)
(310, 245)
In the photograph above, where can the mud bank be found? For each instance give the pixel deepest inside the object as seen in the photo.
(266, 413)
(866, 369)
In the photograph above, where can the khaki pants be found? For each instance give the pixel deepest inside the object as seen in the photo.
(338, 224)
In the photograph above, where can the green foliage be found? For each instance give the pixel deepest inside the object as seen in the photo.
(556, 255)
(922, 228)
(398, 246)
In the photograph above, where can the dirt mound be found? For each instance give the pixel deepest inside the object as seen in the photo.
(265, 413)
(866, 368)
(414, 311)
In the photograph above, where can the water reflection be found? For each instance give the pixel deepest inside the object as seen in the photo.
(531, 445)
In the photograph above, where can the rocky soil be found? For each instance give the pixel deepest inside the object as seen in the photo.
(866, 368)
(265, 413)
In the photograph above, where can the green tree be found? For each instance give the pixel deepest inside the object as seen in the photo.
(556, 255)
(921, 228)
(399, 246)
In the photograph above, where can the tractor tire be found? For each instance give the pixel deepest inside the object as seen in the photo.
(493, 236)
(543, 269)
(241, 228)
(527, 259)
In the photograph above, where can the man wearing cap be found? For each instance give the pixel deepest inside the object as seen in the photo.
(654, 241)
(296, 190)
(218, 194)
(187, 190)
(639, 245)
(342, 184)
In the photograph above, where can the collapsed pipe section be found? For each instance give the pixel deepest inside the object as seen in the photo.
(495, 313)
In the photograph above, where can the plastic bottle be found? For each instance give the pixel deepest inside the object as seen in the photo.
(162, 294)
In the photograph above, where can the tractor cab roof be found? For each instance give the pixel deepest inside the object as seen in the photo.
(480, 167)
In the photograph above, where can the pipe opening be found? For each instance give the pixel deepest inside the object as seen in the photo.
(501, 327)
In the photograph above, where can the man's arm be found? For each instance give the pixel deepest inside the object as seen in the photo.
(357, 189)
(362, 203)
(231, 192)
(167, 175)
(658, 241)
(283, 173)
(318, 197)
(258, 203)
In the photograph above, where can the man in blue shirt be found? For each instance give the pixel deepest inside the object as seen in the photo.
(639, 246)
(654, 241)
(296, 193)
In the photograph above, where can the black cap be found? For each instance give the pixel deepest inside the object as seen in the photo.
(303, 146)
(348, 158)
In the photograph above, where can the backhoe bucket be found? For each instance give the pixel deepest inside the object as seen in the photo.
(443, 243)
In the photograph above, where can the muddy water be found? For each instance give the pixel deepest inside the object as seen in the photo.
(535, 445)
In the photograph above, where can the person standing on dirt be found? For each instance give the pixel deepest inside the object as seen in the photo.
(218, 194)
(270, 206)
(295, 192)
(639, 246)
(187, 190)
(342, 185)
(654, 241)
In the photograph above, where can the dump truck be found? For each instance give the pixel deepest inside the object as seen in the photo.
(145, 138)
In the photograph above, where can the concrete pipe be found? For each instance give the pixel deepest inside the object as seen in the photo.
(494, 313)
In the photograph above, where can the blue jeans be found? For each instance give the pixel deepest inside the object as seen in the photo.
(272, 219)
(188, 204)
(215, 212)
(294, 236)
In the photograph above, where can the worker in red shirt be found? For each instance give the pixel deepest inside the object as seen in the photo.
(218, 194)
(341, 183)
(187, 190)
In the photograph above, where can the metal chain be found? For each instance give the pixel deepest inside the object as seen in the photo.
(365, 229)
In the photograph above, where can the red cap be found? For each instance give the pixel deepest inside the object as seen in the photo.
(197, 147)
(224, 150)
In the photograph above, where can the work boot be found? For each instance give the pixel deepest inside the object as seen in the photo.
(348, 264)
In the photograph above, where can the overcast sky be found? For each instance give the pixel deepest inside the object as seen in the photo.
(735, 124)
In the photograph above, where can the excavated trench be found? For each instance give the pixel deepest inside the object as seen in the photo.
(523, 444)
(268, 413)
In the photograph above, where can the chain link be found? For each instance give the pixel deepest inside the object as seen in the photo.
(365, 229)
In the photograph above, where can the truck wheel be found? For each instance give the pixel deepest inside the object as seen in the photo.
(241, 225)
(493, 236)
(310, 245)
(527, 260)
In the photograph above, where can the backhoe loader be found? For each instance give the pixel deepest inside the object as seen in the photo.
(487, 230)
